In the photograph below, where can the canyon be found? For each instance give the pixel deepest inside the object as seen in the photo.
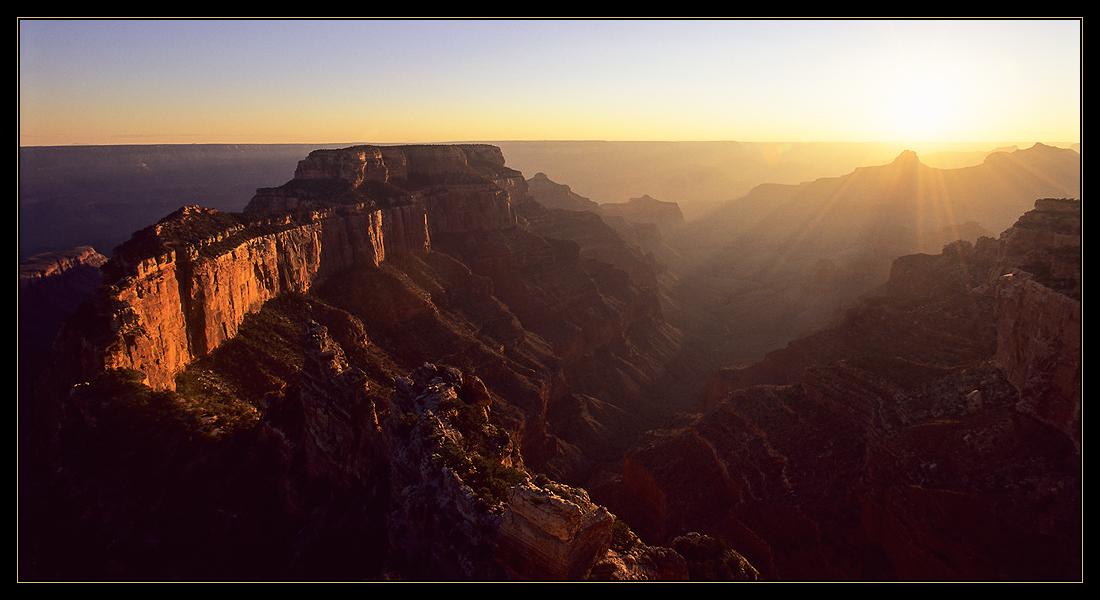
(410, 362)
(904, 440)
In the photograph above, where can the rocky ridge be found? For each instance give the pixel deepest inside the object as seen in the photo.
(182, 287)
(778, 261)
(905, 441)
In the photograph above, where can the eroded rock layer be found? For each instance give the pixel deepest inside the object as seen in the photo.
(182, 287)
(931, 433)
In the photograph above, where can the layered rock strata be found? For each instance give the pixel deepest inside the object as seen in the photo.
(181, 288)
(463, 512)
(461, 188)
(931, 433)
(166, 307)
(552, 532)
(342, 432)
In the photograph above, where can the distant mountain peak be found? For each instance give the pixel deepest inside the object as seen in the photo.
(907, 157)
(1038, 151)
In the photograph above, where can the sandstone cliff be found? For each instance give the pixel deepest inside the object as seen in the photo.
(460, 188)
(182, 287)
(172, 299)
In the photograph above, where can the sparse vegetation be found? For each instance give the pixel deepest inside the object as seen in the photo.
(478, 461)
(622, 538)
(490, 480)
(709, 558)
(480, 433)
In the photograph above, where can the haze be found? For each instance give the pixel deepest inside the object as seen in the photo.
(420, 81)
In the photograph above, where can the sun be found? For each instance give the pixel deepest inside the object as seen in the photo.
(921, 109)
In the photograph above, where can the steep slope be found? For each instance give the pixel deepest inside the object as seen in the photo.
(555, 195)
(904, 441)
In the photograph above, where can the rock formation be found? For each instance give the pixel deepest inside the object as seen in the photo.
(646, 210)
(931, 433)
(175, 299)
(51, 286)
(460, 188)
(555, 195)
(776, 263)
(182, 287)
(299, 340)
(464, 506)
(342, 432)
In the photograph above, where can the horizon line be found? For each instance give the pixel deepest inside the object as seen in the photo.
(544, 141)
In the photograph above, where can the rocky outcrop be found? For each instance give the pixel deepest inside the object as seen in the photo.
(552, 532)
(172, 298)
(646, 210)
(1039, 313)
(181, 288)
(464, 508)
(1039, 345)
(554, 195)
(930, 433)
(342, 433)
(461, 187)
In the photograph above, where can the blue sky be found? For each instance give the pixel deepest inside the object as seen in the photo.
(389, 81)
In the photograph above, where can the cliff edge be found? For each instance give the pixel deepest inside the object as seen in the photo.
(178, 289)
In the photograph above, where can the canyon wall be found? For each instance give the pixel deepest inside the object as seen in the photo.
(182, 287)
(462, 188)
(1039, 313)
(931, 432)
(186, 300)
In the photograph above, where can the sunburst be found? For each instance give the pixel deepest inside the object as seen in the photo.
(921, 108)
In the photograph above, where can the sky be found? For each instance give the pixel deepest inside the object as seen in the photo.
(425, 81)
